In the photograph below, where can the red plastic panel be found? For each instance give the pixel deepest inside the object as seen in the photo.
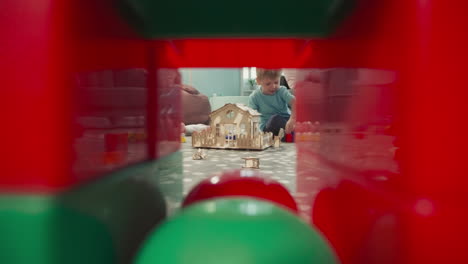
(127, 109)
(346, 169)
(435, 163)
(77, 95)
(422, 42)
(33, 105)
(169, 112)
(109, 69)
(110, 120)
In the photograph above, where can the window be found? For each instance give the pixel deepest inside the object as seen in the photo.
(217, 130)
(249, 73)
(242, 129)
(248, 80)
(230, 114)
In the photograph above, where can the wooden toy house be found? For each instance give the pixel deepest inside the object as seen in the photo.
(233, 126)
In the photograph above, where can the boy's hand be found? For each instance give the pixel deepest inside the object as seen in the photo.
(290, 125)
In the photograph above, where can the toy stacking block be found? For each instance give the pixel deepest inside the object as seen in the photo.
(290, 137)
(211, 18)
(116, 142)
(238, 183)
(236, 230)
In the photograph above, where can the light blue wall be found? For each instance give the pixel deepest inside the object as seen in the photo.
(209, 81)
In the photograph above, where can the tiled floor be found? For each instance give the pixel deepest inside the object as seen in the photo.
(277, 163)
(323, 164)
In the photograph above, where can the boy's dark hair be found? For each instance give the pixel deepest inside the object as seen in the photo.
(284, 83)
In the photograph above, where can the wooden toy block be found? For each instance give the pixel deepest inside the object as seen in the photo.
(251, 163)
(199, 155)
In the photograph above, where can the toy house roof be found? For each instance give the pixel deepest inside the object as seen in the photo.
(241, 107)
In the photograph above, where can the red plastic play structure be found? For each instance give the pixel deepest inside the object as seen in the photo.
(54, 53)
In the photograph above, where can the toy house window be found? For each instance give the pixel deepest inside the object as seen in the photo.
(254, 127)
(217, 130)
(230, 114)
(230, 131)
(242, 129)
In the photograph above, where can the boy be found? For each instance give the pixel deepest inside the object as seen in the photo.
(272, 100)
